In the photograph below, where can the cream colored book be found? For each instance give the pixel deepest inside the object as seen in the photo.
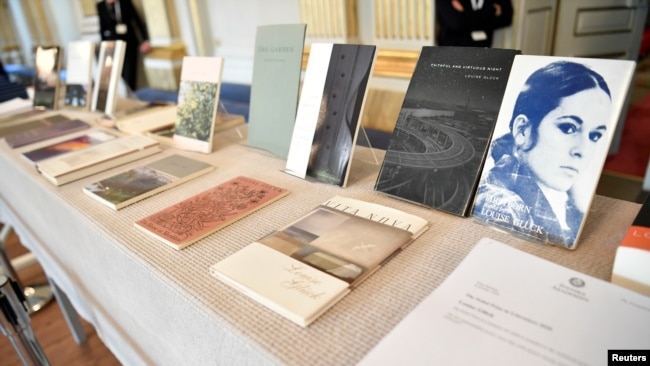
(149, 119)
(303, 269)
(82, 163)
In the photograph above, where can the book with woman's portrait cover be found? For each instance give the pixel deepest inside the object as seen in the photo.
(304, 268)
(437, 149)
(556, 122)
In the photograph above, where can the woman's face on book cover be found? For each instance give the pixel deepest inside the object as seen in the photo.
(568, 137)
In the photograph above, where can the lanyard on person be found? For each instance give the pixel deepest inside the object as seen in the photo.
(120, 27)
(477, 4)
(118, 11)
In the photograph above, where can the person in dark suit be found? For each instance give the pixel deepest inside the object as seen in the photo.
(471, 23)
(119, 20)
(9, 90)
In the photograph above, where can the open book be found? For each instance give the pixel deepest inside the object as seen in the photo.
(303, 269)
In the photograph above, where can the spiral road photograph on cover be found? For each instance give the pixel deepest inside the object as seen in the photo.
(443, 129)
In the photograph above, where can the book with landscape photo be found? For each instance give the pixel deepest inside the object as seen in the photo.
(107, 77)
(138, 183)
(83, 141)
(194, 218)
(198, 99)
(556, 122)
(82, 163)
(41, 129)
(47, 82)
(303, 269)
(277, 66)
(78, 79)
(437, 149)
(329, 112)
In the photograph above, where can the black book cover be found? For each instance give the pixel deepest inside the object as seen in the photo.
(344, 92)
(438, 146)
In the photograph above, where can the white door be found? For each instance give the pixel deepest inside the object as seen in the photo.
(532, 30)
(600, 28)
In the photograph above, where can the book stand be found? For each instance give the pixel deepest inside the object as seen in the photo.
(364, 140)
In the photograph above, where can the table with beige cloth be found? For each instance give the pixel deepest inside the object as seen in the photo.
(151, 304)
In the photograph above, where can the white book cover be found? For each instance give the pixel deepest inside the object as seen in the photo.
(78, 80)
(329, 111)
(198, 99)
(107, 76)
(502, 306)
(550, 141)
(303, 269)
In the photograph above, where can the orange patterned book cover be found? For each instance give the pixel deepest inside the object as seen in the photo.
(199, 216)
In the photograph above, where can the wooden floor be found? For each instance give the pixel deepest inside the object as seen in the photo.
(51, 329)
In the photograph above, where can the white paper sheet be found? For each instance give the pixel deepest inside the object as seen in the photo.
(502, 306)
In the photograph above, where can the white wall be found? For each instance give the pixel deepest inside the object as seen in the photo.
(231, 28)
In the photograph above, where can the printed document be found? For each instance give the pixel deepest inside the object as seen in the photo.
(502, 306)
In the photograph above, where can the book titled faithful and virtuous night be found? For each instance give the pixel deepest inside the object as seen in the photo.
(438, 145)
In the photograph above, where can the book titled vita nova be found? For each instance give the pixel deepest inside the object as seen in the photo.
(196, 217)
(303, 269)
(437, 149)
(556, 122)
(329, 112)
(274, 90)
(146, 180)
(82, 163)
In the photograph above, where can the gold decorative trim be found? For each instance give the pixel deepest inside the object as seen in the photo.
(389, 63)
(89, 8)
(171, 52)
(198, 28)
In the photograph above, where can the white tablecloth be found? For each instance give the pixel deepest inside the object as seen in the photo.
(152, 304)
